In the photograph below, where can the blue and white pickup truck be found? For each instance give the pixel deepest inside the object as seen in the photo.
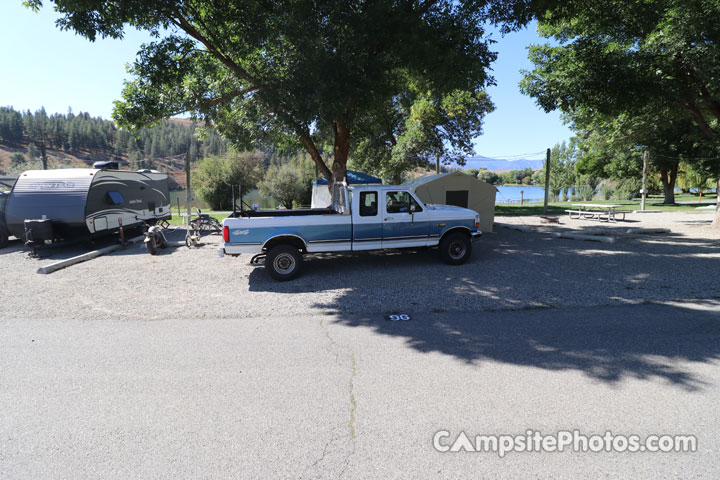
(376, 217)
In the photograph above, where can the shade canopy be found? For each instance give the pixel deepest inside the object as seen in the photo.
(354, 178)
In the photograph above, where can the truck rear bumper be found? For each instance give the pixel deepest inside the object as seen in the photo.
(234, 249)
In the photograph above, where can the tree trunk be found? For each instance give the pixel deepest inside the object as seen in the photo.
(716, 221)
(668, 176)
(342, 150)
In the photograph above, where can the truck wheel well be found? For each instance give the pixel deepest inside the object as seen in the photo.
(292, 240)
(463, 230)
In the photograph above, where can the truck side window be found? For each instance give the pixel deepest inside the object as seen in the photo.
(368, 204)
(399, 202)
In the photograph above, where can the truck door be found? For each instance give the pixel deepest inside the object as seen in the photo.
(405, 222)
(367, 223)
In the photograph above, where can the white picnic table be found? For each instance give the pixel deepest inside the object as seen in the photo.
(595, 211)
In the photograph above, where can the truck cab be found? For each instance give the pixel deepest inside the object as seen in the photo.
(393, 217)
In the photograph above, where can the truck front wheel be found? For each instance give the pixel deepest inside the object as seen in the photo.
(455, 248)
(283, 262)
(3, 237)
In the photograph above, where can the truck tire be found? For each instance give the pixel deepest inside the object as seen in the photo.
(3, 237)
(455, 248)
(283, 262)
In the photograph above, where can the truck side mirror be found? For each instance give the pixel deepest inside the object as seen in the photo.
(412, 208)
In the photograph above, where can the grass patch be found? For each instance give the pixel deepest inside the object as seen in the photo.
(558, 208)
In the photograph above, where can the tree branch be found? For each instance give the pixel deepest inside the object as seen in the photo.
(700, 120)
(185, 25)
(312, 150)
(237, 93)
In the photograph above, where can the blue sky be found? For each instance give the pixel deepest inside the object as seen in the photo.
(43, 66)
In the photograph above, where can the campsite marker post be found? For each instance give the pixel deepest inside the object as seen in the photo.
(645, 156)
(547, 180)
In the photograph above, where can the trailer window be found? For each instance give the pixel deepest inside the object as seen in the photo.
(115, 198)
(368, 204)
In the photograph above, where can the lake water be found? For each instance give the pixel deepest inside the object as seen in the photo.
(530, 193)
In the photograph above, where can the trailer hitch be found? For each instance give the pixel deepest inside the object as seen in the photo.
(260, 257)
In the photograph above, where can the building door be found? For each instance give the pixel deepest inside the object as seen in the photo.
(459, 198)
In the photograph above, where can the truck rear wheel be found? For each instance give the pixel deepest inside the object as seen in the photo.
(455, 248)
(283, 262)
(3, 237)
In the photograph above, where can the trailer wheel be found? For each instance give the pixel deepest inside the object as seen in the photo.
(3, 237)
(283, 262)
(455, 248)
(151, 247)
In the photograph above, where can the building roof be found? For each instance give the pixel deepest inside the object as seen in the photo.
(425, 179)
(354, 178)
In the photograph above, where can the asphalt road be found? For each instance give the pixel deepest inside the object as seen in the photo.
(355, 396)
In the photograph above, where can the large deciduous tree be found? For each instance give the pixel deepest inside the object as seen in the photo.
(612, 147)
(629, 57)
(286, 71)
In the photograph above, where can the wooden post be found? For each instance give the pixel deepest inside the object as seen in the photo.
(700, 200)
(547, 181)
(646, 154)
(437, 164)
(187, 186)
(521, 197)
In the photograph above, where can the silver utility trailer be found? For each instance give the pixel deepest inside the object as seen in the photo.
(77, 203)
(6, 184)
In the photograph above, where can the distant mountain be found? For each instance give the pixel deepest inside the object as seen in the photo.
(495, 164)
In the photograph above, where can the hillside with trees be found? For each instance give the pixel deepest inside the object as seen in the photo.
(27, 140)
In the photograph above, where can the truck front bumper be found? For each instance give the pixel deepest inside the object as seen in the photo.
(476, 235)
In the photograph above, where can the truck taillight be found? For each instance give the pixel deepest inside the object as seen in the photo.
(226, 235)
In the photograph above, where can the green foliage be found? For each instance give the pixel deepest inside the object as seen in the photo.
(692, 175)
(290, 182)
(632, 76)
(623, 56)
(17, 159)
(515, 177)
(293, 73)
(489, 177)
(420, 127)
(563, 177)
(215, 177)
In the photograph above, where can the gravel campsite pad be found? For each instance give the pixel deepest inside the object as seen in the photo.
(508, 270)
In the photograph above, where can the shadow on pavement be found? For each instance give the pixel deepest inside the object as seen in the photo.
(610, 344)
(533, 298)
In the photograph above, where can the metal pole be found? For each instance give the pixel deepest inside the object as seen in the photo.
(547, 181)
(437, 164)
(645, 157)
